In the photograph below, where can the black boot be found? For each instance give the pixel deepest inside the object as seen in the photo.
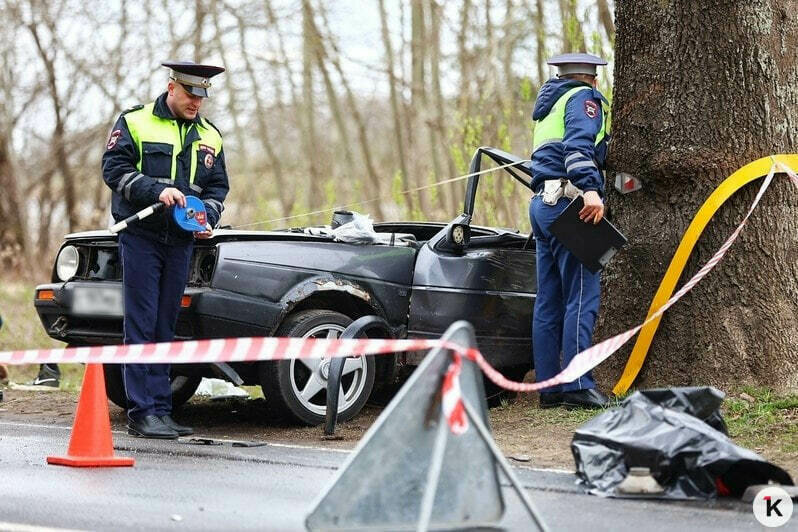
(550, 399)
(181, 430)
(151, 427)
(590, 398)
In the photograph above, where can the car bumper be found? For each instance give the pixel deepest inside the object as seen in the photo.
(207, 313)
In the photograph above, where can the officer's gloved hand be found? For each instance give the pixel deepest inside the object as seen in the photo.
(593, 210)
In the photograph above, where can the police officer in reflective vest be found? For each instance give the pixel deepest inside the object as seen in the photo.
(569, 148)
(161, 151)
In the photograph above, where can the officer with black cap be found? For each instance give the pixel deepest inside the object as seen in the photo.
(569, 149)
(161, 151)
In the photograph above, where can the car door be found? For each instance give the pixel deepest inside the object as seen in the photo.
(491, 284)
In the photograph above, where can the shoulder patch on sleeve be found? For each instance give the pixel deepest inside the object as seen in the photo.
(134, 108)
(591, 109)
(113, 139)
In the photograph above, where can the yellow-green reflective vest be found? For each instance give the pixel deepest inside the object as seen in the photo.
(159, 138)
(552, 127)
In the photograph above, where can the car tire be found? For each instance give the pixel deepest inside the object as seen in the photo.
(284, 381)
(183, 387)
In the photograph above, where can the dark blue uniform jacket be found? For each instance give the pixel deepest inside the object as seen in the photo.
(578, 145)
(119, 161)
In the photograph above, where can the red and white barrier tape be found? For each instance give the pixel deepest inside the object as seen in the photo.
(217, 350)
(257, 349)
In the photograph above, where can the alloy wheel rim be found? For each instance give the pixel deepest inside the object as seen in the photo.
(309, 376)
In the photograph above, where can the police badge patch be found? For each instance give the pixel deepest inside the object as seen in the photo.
(591, 109)
(209, 160)
(113, 139)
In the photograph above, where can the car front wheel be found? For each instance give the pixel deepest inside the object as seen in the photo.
(297, 389)
(183, 387)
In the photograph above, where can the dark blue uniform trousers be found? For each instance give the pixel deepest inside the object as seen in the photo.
(567, 301)
(154, 277)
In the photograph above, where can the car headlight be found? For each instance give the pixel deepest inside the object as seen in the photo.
(66, 265)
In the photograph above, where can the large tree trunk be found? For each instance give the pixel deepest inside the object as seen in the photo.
(690, 108)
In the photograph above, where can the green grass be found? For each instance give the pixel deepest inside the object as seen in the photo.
(766, 423)
(769, 421)
(22, 329)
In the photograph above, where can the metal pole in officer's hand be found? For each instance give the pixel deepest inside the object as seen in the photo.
(143, 213)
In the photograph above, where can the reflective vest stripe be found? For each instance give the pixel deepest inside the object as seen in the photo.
(574, 156)
(547, 142)
(580, 164)
(145, 127)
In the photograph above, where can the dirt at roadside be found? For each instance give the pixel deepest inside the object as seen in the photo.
(237, 419)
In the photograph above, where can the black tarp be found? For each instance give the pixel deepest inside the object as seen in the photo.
(668, 431)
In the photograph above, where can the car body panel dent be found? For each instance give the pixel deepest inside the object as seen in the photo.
(387, 300)
(496, 270)
(491, 287)
(327, 284)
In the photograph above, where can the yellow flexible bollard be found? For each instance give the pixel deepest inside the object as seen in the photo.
(725, 190)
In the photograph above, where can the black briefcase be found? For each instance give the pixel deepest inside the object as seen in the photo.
(593, 244)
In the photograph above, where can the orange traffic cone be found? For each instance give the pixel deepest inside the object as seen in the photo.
(91, 444)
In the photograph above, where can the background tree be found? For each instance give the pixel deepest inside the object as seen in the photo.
(690, 108)
(323, 103)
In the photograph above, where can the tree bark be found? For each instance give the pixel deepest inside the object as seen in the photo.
(573, 39)
(264, 134)
(59, 130)
(464, 61)
(540, 42)
(450, 191)
(395, 112)
(197, 37)
(230, 80)
(374, 178)
(605, 16)
(418, 111)
(333, 103)
(13, 237)
(312, 146)
(689, 109)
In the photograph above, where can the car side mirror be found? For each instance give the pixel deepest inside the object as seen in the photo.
(457, 237)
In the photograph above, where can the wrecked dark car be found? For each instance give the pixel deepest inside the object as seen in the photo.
(419, 278)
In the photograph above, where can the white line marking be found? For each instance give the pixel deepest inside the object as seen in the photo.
(22, 527)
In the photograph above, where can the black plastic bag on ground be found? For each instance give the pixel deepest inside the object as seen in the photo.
(663, 430)
(702, 402)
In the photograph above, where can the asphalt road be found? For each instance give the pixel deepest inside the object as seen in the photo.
(176, 486)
